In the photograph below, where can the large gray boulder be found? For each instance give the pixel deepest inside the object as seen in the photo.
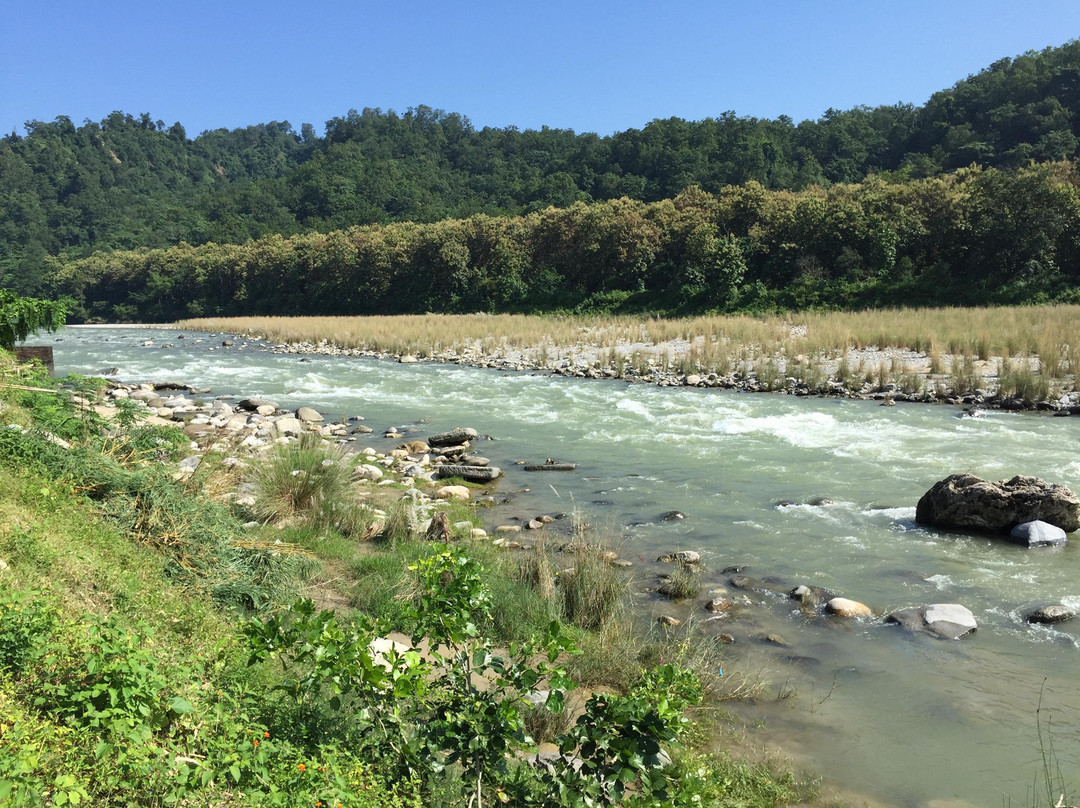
(967, 501)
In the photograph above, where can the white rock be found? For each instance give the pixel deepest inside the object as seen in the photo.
(842, 607)
(453, 492)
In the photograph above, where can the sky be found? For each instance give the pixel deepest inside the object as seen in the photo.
(591, 66)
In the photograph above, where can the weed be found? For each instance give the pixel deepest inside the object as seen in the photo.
(592, 591)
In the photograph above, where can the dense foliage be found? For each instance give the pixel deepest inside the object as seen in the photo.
(971, 237)
(131, 182)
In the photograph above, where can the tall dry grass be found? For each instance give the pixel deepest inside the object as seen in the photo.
(698, 344)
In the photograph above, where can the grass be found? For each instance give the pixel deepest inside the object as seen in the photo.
(946, 337)
(123, 582)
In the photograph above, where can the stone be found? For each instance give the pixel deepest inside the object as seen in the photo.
(1047, 615)
(966, 501)
(508, 529)
(189, 464)
(672, 516)
(416, 447)
(407, 359)
(810, 596)
(719, 604)
(842, 607)
(693, 380)
(475, 474)
(367, 472)
(308, 415)
(534, 524)
(253, 404)
(950, 621)
(454, 437)
(288, 427)
(681, 557)
(453, 492)
(1038, 534)
(668, 620)
(266, 410)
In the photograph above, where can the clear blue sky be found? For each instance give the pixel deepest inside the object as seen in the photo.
(592, 66)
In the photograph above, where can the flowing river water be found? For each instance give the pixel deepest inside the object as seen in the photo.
(893, 718)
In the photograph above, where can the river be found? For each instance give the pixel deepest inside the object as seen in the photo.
(894, 718)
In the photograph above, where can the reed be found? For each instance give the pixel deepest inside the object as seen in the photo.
(716, 344)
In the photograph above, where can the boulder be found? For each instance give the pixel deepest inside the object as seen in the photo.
(950, 621)
(810, 596)
(367, 472)
(1057, 613)
(288, 427)
(453, 437)
(253, 404)
(308, 415)
(966, 501)
(720, 604)
(475, 474)
(453, 492)
(842, 607)
(1038, 534)
(682, 557)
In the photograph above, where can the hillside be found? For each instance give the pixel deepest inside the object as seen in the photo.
(131, 182)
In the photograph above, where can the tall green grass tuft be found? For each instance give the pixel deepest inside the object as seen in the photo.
(592, 592)
(301, 480)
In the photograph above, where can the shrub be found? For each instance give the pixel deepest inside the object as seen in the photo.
(303, 480)
(592, 592)
(26, 625)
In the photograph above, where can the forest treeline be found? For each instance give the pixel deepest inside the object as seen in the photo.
(975, 236)
(128, 182)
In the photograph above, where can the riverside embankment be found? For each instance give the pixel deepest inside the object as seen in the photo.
(960, 717)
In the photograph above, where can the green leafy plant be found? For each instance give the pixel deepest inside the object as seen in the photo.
(22, 316)
(27, 621)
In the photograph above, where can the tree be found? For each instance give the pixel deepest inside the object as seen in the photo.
(22, 316)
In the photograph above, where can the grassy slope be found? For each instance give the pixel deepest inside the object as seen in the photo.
(124, 677)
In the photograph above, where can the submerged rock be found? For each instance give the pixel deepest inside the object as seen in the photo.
(1038, 534)
(1058, 613)
(681, 557)
(842, 607)
(950, 621)
(966, 501)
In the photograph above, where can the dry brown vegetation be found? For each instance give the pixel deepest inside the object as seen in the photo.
(1043, 340)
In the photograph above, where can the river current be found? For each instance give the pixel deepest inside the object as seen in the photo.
(888, 717)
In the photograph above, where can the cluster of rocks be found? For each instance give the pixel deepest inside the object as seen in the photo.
(1028, 510)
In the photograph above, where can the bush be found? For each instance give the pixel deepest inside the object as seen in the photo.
(302, 480)
(592, 592)
(26, 625)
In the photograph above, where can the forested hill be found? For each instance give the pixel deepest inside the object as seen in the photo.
(130, 182)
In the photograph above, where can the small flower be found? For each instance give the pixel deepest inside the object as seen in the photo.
(301, 767)
(266, 734)
(256, 742)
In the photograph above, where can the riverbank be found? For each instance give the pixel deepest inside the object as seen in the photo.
(984, 358)
(355, 533)
(727, 461)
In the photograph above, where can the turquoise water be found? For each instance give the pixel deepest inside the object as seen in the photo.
(888, 717)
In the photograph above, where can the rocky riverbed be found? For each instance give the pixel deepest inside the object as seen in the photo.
(241, 431)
